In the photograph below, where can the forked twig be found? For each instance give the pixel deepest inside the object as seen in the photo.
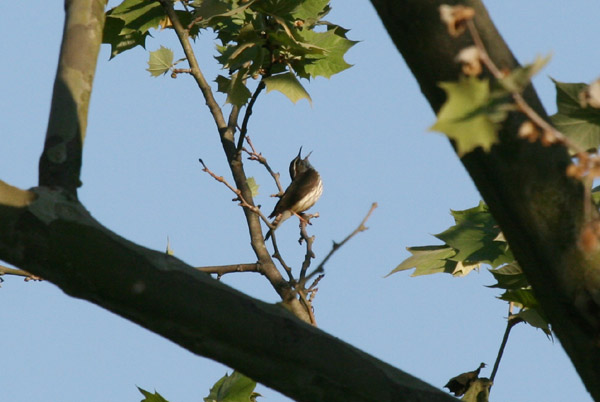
(336, 246)
(237, 192)
(257, 156)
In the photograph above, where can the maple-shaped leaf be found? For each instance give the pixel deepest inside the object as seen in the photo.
(581, 125)
(138, 15)
(288, 85)
(335, 45)
(311, 10)
(509, 276)
(523, 298)
(277, 8)
(474, 237)
(121, 42)
(237, 92)
(463, 117)
(206, 10)
(428, 260)
(160, 61)
(232, 388)
(536, 319)
(151, 397)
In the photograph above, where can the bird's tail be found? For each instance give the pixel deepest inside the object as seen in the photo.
(277, 222)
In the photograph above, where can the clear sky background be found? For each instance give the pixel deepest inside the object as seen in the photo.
(367, 129)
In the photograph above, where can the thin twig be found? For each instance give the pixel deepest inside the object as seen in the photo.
(277, 255)
(180, 71)
(248, 113)
(237, 192)
(221, 270)
(511, 322)
(336, 246)
(312, 289)
(308, 306)
(18, 272)
(309, 253)
(257, 156)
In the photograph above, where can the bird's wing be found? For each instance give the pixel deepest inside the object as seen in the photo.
(298, 188)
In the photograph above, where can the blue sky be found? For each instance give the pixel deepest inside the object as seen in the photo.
(367, 129)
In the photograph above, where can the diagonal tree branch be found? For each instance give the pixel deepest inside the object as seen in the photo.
(539, 208)
(60, 163)
(67, 247)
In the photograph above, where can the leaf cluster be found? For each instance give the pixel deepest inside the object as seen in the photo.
(473, 241)
(229, 388)
(476, 107)
(279, 41)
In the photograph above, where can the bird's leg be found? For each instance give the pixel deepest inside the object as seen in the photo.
(305, 218)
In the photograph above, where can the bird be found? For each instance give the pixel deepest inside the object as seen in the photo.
(303, 192)
(461, 383)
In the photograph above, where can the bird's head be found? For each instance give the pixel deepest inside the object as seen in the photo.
(299, 165)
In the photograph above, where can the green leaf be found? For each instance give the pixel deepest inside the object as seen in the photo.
(464, 269)
(533, 317)
(118, 42)
(509, 276)
(519, 78)
(277, 8)
(252, 185)
(237, 92)
(335, 45)
(207, 10)
(428, 260)
(581, 125)
(160, 61)
(522, 297)
(463, 117)
(149, 397)
(479, 391)
(474, 238)
(288, 85)
(232, 388)
(138, 15)
(310, 10)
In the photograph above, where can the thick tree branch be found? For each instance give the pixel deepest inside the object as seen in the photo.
(56, 238)
(60, 163)
(539, 208)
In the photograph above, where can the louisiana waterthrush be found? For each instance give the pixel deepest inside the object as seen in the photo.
(302, 193)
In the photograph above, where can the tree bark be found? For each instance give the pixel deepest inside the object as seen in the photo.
(539, 209)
